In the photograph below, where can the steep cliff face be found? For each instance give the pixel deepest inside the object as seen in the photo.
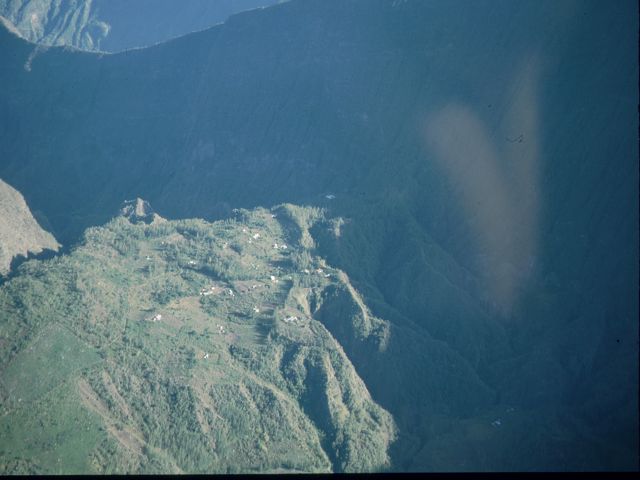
(20, 234)
(485, 174)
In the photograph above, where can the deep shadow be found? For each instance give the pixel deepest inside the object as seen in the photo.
(18, 260)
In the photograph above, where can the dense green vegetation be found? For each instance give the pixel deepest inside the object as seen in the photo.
(182, 346)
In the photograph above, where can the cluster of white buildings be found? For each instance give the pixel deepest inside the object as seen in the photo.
(204, 292)
(293, 319)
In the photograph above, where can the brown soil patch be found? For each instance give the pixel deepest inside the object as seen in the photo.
(127, 437)
(111, 388)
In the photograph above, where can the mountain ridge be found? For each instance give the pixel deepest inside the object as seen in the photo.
(116, 25)
(359, 108)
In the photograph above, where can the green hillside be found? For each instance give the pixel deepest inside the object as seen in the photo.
(181, 346)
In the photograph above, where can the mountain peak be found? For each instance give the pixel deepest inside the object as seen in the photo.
(139, 210)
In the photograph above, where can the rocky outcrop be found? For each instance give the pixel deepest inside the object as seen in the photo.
(20, 233)
(139, 210)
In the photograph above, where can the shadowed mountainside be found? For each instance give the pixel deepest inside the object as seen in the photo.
(482, 176)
